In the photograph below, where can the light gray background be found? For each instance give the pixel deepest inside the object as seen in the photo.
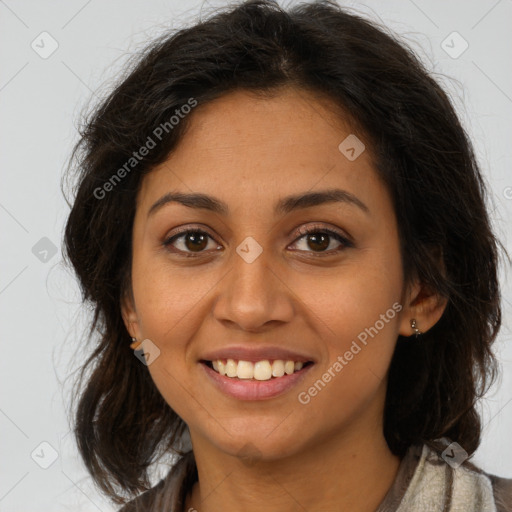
(40, 100)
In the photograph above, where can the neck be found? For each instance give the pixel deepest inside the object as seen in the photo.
(344, 472)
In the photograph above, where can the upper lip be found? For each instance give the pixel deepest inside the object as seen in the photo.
(254, 354)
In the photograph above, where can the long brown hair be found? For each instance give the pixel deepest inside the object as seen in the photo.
(423, 154)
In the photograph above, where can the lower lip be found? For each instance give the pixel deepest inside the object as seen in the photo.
(249, 389)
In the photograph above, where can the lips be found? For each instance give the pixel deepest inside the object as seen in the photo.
(255, 373)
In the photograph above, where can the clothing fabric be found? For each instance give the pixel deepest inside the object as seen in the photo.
(424, 483)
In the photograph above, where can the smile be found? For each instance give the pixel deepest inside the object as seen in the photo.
(258, 380)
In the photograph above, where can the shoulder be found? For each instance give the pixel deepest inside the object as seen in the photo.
(466, 479)
(502, 489)
(170, 492)
(433, 477)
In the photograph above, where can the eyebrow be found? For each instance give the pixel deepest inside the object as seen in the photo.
(282, 207)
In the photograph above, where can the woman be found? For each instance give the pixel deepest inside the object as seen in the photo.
(282, 228)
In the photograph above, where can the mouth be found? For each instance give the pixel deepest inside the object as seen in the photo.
(255, 380)
(263, 370)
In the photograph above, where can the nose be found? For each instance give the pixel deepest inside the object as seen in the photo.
(254, 295)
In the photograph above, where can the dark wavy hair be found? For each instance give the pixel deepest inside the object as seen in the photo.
(422, 153)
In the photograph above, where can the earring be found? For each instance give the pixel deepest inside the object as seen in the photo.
(417, 332)
(135, 344)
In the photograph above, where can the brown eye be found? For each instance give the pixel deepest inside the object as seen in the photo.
(195, 241)
(319, 239)
(189, 241)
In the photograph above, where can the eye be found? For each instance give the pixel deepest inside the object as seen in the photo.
(190, 241)
(318, 238)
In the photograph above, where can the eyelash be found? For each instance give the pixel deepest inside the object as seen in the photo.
(302, 232)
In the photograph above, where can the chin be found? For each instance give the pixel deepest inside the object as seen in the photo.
(256, 445)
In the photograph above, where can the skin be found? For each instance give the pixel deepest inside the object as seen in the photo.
(249, 151)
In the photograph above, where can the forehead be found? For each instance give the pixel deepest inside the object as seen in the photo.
(245, 147)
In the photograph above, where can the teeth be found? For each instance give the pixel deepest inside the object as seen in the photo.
(245, 370)
(261, 370)
(289, 366)
(231, 368)
(278, 368)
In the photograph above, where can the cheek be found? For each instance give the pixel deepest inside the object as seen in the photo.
(359, 344)
(356, 312)
(172, 304)
(171, 308)
(168, 300)
(353, 297)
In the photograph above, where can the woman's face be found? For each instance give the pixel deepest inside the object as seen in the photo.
(252, 284)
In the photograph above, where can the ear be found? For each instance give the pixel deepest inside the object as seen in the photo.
(422, 303)
(130, 316)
